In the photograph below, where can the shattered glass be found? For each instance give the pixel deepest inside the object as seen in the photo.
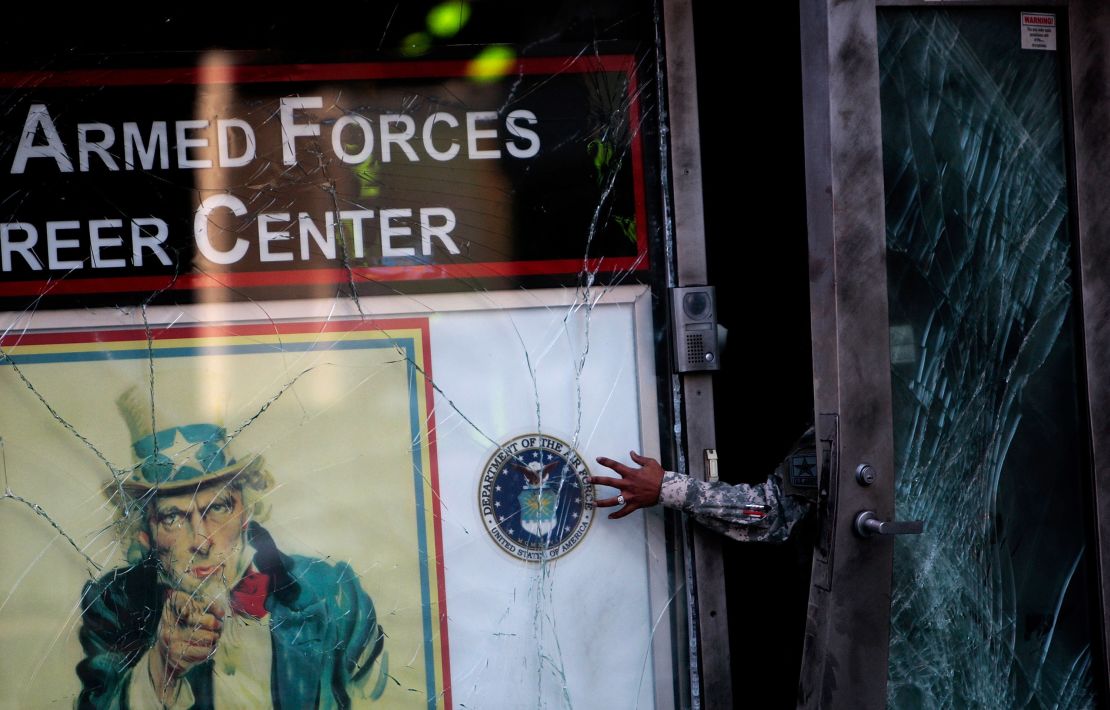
(311, 332)
(992, 606)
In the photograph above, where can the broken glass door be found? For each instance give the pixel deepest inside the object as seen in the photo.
(993, 605)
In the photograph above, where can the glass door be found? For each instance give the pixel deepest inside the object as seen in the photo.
(993, 606)
(950, 381)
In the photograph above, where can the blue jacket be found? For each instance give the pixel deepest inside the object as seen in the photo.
(321, 623)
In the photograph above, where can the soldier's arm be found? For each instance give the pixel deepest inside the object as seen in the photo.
(751, 513)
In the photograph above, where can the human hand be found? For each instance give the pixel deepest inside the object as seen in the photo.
(639, 487)
(188, 632)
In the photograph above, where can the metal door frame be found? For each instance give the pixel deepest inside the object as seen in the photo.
(710, 663)
(849, 609)
(1089, 69)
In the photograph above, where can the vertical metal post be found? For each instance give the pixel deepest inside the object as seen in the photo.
(845, 658)
(710, 618)
(1089, 43)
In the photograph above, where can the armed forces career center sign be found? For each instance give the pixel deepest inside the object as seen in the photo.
(535, 496)
(251, 176)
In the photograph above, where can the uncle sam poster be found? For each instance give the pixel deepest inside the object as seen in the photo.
(329, 419)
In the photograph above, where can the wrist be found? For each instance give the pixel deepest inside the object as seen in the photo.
(672, 491)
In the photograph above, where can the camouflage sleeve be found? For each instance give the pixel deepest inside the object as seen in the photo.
(749, 513)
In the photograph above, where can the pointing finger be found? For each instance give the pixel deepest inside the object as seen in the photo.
(615, 465)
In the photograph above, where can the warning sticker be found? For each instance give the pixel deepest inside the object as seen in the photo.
(1038, 31)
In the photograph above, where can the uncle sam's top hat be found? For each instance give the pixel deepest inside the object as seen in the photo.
(177, 456)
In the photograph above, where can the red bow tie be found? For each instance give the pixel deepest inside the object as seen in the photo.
(249, 596)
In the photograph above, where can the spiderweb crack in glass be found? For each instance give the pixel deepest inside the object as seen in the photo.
(979, 275)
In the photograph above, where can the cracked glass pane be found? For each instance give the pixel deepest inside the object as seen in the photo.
(991, 607)
(312, 330)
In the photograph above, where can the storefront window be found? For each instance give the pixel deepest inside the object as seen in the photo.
(313, 326)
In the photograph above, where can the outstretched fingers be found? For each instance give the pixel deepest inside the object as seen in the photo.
(615, 465)
(629, 508)
(618, 483)
(639, 487)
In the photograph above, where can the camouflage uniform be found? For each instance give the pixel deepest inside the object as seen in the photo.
(749, 513)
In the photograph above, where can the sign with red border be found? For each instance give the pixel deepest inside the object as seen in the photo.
(293, 176)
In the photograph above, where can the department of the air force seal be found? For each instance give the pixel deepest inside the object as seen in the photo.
(536, 498)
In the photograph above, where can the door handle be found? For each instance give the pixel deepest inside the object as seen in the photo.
(867, 524)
